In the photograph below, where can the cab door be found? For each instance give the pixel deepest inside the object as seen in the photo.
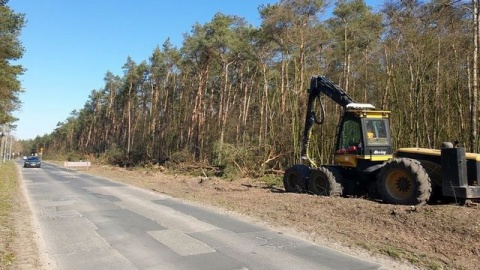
(349, 141)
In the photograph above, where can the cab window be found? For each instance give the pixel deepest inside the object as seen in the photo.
(350, 134)
(376, 132)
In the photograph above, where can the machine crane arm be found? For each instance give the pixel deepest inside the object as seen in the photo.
(322, 85)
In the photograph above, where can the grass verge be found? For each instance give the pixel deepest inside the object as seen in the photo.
(8, 189)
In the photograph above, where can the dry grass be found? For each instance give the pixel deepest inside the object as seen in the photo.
(8, 190)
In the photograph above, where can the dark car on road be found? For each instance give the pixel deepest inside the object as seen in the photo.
(32, 162)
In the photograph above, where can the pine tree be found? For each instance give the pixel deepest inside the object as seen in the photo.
(11, 49)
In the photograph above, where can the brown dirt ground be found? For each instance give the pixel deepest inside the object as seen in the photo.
(431, 237)
(424, 237)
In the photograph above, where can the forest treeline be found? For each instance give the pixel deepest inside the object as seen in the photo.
(234, 95)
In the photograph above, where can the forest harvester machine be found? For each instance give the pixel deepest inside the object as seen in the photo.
(364, 162)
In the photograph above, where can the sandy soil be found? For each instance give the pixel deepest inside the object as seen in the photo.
(400, 237)
(430, 237)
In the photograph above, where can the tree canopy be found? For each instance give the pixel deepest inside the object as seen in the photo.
(235, 95)
(11, 49)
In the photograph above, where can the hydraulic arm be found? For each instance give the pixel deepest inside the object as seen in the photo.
(321, 85)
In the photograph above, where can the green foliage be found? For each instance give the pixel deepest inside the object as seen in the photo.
(233, 96)
(53, 156)
(183, 156)
(115, 155)
(237, 161)
(272, 180)
(11, 49)
(227, 158)
(75, 156)
(355, 26)
(414, 258)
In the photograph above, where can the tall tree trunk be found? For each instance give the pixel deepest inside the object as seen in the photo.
(263, 106)
(346, 60)
(129, 118)
(284, 79)
(224, 104)
(474, 91)
(388, 81)
(198, 114)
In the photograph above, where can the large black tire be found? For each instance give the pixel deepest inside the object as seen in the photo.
(325, 182)
(434, 171)
(404, 181)
(295, 178)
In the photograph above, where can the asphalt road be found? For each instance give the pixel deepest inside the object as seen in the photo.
(88, 222)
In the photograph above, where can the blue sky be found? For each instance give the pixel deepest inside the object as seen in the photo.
(71, 44)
